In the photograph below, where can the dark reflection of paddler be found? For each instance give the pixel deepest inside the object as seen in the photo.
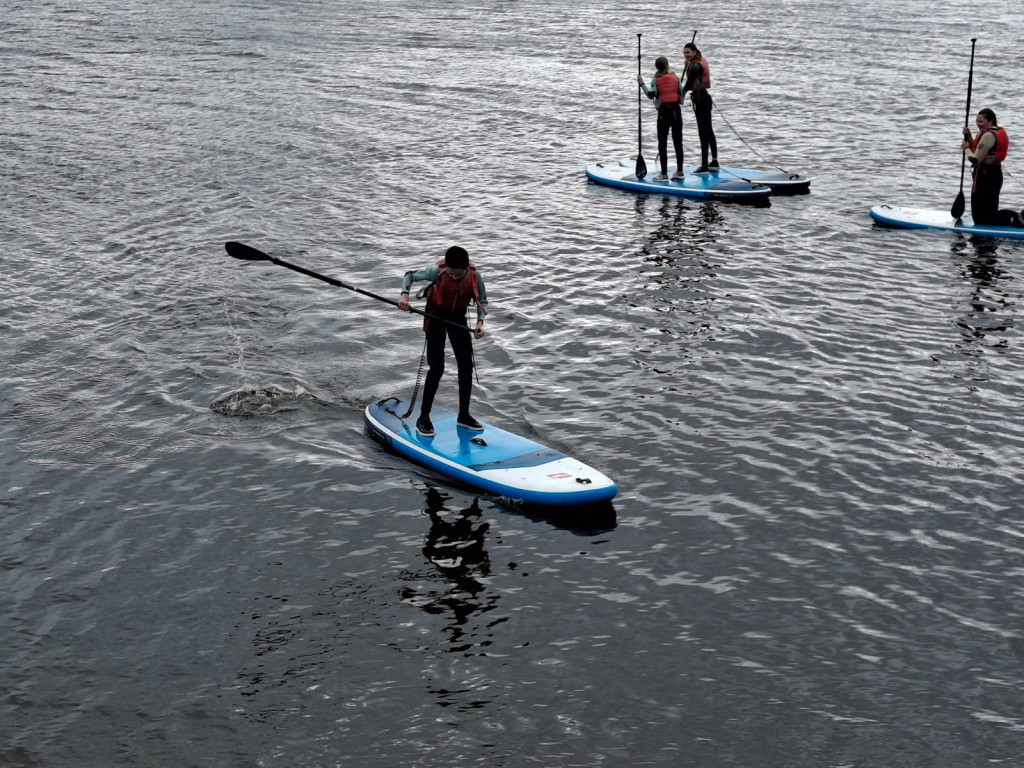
(455, 546)
(988, 302)
(678, 275)
(683, 227)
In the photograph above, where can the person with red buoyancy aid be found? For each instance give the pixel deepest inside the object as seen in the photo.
(454, 284)
(986, 153)
(698, 80)
(664, 90)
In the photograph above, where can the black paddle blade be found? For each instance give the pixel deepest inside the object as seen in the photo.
(958, 206)
(641, 167)
(245, 252)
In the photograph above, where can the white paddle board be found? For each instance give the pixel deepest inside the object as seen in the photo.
(918, 218)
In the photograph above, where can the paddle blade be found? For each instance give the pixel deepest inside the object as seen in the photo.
(641, 167)
(958, 206)
(245, 252)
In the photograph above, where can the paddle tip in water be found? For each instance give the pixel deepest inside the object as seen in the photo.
(245, 252)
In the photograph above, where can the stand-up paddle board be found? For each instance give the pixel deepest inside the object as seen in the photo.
(494, 460)
(780, 182)
(706, 186)
(915, 218)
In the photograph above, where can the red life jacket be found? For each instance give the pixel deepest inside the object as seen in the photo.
(701, 83)
(668, 88)
(447, 296)
(998, 154)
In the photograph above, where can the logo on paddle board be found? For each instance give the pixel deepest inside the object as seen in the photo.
(559, 476)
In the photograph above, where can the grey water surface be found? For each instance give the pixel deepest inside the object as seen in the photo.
(817, 552)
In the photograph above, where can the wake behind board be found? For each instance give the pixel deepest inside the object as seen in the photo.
(705, 186)
(494, 460)
(916, 218)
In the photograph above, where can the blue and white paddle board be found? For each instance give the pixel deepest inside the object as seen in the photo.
(917, 218)
(706, 186)
(780, 182)
(494, 460)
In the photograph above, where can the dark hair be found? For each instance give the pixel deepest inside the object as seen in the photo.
(693, 48)
(989, 115)
(662, 64)
(456, 258)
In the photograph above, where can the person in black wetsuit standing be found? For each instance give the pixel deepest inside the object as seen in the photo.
(454, 284)
(664, 90)
(698, 81)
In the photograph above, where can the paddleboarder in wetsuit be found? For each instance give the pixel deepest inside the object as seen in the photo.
(664, 90)
(986, 153)
(454, 283)
(698, 80)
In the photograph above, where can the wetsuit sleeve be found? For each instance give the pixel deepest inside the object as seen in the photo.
(651, 90)
(427, 273)
(986, 144)
(483, 297)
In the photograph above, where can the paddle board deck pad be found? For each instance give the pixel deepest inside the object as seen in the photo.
(916, 218)
(780, 182)
(706, 186)
(494, 460)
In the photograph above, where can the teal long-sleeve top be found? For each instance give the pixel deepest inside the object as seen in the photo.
(651, 91)
(429, 274)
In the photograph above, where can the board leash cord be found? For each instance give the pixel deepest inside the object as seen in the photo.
(744, 142)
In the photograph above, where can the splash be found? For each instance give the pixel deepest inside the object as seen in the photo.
(259, 402)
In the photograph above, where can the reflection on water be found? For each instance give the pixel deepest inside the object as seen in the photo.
(455, 546)
(682, 228)
(987, 312)
(677, 279)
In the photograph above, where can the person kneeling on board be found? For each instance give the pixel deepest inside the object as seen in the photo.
(664, 90)
(454, 283)
(986, 153)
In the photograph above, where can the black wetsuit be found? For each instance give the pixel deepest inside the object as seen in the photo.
(462, 346)
(700, 98)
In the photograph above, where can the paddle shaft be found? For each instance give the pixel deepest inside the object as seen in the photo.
(340, 284)
(967, 120)
(639, 101)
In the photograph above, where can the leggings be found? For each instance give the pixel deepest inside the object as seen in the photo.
(988, 182)
(462, 346)
(670, 117)
(702, 111)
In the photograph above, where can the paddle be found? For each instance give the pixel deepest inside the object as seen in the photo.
(959, 204)
(641, 166)
(248, 253)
